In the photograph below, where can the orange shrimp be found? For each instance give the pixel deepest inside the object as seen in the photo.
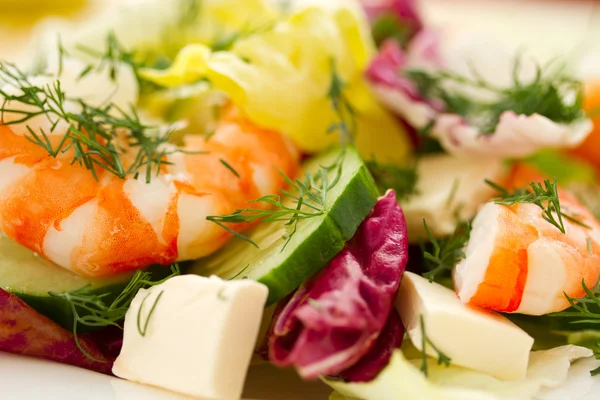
(110, 225)
(517, 262)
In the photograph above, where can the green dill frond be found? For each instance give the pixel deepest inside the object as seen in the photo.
(402, 180)
(425, 341)
(90, 309)
(92, 133)
(303, 200)
(544, 195)
(345, 126)
(551, 94)
(444, 253)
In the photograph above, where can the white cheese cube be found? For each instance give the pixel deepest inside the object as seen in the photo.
(471, 337)
(193, 335)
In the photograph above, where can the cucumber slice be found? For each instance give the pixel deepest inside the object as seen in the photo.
(317, 240)
(31, 278)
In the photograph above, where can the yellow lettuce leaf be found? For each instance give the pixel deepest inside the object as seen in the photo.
(281, 77)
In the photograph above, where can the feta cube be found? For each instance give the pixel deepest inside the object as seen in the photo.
(193, 335)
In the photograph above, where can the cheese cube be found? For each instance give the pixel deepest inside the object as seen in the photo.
(471, 337)
(193, 335)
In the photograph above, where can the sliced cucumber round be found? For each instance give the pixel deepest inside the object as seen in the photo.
(31, 277)
(283, 265)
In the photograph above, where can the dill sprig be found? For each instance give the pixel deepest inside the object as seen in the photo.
(552, 95)
(143, 330)
(596, 371)
(115, 55)
(305, 199)
(425, 341)
(446, 253)
(91, 133)
(90, 309)
(402, 180)
(584, 310)
(343, 109)
(587, 308)
(544, 195)
(226, 42)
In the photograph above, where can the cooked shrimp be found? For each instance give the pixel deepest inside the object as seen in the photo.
(518, 262)
(105, 226)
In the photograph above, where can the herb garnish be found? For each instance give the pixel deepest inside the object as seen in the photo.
(402, 180)
(442, 358)
(229, 167)
(584, 310)
(446, 252)
(306, 200)
(552, 95)
(308, 197)
(91, 133)
(113, 56)
(143, 330)
(587, 307)
(544, 195)
(90, 309)
(345, 112)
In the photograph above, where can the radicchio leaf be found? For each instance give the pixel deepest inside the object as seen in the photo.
(26, 332)
(336, 317)
(460, 133)
(368, 367)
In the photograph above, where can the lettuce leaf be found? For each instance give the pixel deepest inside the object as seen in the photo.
(281, 76)
(401, 379)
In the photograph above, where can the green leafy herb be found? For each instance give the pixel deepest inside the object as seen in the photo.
(91, 310)
(402, 180)
(584, 310)
(425, 341)
(91, 133)
(229, 167)
(446, 253)
(346, 124)
(239, 273)
(144, 330)
(389, 26)
(306, 199)
(227, 41)
(548, 94)
(113, 56)
(544, 195)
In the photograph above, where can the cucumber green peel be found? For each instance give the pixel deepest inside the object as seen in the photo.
(292, 249)
(66, 297)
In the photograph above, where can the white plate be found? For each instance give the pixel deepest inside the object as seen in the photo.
(25, 378)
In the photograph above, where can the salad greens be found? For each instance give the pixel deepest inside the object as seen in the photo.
(546, 95)
(445, 253)
(90, 309)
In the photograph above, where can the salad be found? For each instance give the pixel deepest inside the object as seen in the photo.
(191, 187)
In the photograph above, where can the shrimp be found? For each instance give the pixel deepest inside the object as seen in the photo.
(99, 227)
(517, 262)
